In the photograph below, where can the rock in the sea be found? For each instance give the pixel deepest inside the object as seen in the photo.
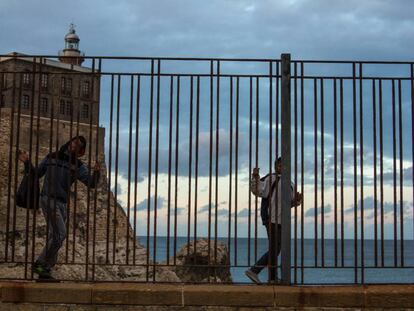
(197, 262)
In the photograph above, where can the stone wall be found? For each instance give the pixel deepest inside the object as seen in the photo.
(121, 296)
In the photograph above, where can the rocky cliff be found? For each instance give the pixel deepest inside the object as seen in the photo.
(91, 251)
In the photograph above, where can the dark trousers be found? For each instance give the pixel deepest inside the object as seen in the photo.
(269, 258)
(55, 216)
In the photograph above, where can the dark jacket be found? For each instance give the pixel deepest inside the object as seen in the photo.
(60, 173)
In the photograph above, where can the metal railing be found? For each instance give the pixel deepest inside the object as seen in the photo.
(180, 137)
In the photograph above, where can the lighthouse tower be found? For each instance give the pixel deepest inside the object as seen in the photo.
(71, 48)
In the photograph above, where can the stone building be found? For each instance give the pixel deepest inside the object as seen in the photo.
(51, 100)
(56, 89)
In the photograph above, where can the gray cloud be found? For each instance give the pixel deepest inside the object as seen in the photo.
(143, 205)
(311, 212)
(231, 28)
(243, 213)
(388, 207)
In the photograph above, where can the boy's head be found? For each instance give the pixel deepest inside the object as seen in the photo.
(77, 146)
(278, 165)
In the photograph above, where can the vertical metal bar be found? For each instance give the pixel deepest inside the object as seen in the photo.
(236, 168)
(211, 159)
(250, 170)
(36, 176)
(190, 161)
(217, 160)
(278, 78)
(381, 173)
(97, 156)
(68, 216)
(169, 167)
(335, 176)
(361, 158)
(88, 193)
(342, 170)
(108, 211)
(257, 135)
(16, 163)
(286, 168)
(157, 141)
(118, 108)
(296, 172)
(231, 176)
(196, 166)
(277, 143)
(401, 176)
(355, 174)
(177, 140)
(137, 125)
(278, 234)
(9, 177)
(322, 174)
(412, 133)
(302, 174)
(394, 172)
(75, 200)
(36, 194)
(131, 110)
(315, 169)
(272, 246)
(51, 131)
(374, 139)
(150, 167)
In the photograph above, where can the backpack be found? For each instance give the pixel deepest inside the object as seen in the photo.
(28, 191)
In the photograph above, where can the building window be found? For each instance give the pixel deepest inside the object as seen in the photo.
(69, 84)
(86, 89)
(4, 80)
(26, 79)
(62, 107)
(65, 107)
(68, 107)
(44, 81)
(66, 85)
(44, 105)
(85, 111)
(25, 102)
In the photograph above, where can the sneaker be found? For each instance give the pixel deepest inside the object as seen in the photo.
(42, 271)
(252, 276)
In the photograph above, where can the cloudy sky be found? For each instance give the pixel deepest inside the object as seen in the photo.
(308, 29)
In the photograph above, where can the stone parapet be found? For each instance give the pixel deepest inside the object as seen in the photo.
(140, 296)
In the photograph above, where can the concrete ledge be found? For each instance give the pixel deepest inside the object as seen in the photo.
(320, 296)
(179, 295)
(46, 292)
(230, 295)
(137, 294)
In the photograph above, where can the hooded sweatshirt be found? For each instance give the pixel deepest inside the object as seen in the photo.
(60, 173)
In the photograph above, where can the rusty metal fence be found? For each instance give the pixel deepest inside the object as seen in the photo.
(178, 139)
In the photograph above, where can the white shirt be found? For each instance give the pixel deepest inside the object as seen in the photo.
(261, 188)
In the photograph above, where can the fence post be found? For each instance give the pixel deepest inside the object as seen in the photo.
(286, 168)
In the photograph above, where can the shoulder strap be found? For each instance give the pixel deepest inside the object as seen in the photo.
(264, 177)
(273, 185)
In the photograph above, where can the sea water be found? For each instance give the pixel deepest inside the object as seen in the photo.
(389, 264)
